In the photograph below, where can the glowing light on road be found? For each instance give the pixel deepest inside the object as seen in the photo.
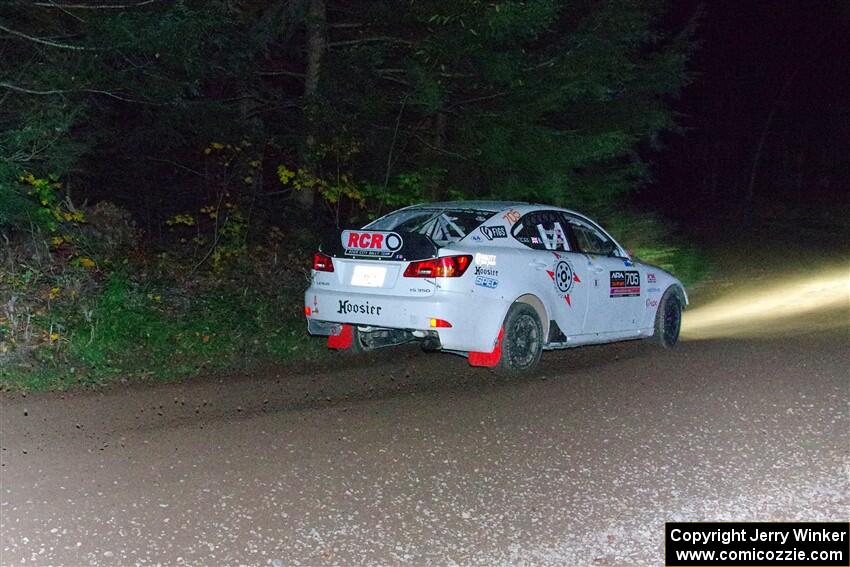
(796, 304)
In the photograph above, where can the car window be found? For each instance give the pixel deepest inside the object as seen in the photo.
(543, 230)
(590, 240)
(441, 225)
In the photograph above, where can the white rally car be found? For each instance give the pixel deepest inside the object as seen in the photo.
(497, 282)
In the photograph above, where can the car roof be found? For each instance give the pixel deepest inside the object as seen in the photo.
(491, 205)
(483, 204)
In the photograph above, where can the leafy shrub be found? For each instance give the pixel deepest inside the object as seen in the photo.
(654, 241)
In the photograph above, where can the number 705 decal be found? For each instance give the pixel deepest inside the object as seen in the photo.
(625, 283)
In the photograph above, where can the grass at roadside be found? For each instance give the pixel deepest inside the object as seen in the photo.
(66, 324)
(653, 241)
(134, 334)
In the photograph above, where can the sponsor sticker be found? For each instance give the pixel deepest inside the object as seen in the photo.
(484, 281)
(486, 271)
(563, 276)
(485, 259)
(492, 232)
(625, 283)
(346, 307)
(559, 237)
(371, 243)
(650, 277)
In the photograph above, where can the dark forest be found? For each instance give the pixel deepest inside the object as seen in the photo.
(167, 167)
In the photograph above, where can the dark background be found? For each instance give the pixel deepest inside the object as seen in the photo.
(769, 75)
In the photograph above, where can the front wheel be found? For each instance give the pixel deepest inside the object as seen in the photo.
(522, 340)
(668, 320)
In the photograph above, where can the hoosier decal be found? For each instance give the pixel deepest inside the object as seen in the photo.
(345, 307)
(625, 283)
(485, 271)
(370, 243)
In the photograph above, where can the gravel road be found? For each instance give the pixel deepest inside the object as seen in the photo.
(407, 458)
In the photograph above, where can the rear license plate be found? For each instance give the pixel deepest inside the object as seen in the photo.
(368, 276)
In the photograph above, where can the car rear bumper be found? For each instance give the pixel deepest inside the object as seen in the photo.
(475, 322)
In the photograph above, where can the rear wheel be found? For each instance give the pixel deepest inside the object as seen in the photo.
(668, 319)
(358, 342)
(522, 340)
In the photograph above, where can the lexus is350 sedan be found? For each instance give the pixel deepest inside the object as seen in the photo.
(496, 282)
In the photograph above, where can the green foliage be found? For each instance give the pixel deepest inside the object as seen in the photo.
(192, 116)
(651, 240)
(541, 100)
(134, 333)
(534, 100)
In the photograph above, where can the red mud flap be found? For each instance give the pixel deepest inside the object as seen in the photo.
(343, 340)
(488, 359)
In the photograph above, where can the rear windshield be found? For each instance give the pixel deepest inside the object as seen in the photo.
(443, 226)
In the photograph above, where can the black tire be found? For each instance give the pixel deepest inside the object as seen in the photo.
(522, 340)
(668, 320)
(358, 346)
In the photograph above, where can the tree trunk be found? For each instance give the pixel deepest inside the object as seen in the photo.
(316, 24)
(438, 145)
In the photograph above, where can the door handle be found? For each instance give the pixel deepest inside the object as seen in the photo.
(538, 264)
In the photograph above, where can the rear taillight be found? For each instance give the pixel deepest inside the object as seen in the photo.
(322, 262)
(445, 267)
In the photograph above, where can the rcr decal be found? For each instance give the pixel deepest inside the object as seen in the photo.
(558, 236)
(625, 283)
(485, 259)
(492, 232)
(370, 243)
(651, 303)
(650, 278)
(564, 277)
(346, 307)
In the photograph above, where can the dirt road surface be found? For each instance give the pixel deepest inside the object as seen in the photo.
(406, 458)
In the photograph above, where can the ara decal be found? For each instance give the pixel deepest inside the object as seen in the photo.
(624, 284)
